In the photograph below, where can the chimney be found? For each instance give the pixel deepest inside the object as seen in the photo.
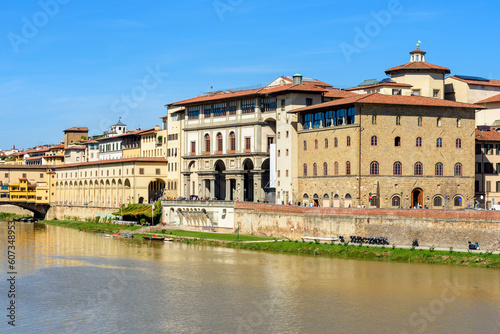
(297, 79)
(157, 127)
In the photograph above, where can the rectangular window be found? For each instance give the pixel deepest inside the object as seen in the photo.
(286, 152)
(476, 186)
(220, 109)
(488, 168)
(41, 175)
(318, 120)
(157, 171)
(309, 101)
(248, 106)
(306, 125)
(488, 186)
(478, 149)
(286, 173)
(268, 104)
(435, 93)
(374, 119)
(328, 118)
(193, 112)
(497, 148)
(141, 171)
(207, 110)
(279, 173)
(6, 175)
(282, 104)
(24, 175)
(396, 92)
(478, 168)
(498, 186)
(287, 134)
(415, 92)
(247, 144)
(232, 108)
(193, 148)
(488, 149)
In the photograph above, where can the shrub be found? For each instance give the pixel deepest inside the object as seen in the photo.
(431, 249)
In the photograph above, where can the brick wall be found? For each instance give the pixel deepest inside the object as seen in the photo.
(442, 228)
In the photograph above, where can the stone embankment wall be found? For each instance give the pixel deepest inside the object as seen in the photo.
(15, 209)
(441, 228)
(82, 212)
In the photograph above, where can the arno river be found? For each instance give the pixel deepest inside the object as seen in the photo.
(75, 282)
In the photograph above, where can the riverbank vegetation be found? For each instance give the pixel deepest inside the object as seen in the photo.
(140, 212)
(207, 235)
(10, 216)
(104, 227)
(389, 253)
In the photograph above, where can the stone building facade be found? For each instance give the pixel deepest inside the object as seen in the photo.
(240, 145)
(386, 151)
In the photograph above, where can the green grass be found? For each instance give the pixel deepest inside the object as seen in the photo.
(7, 216)
(387, 254)
(211, 236)
(90, 227)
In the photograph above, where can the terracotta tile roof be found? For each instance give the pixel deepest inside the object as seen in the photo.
(339, 93)
(495, 83)
(306, 86)
(36, 151)
(382, 84)
(418, 50)
(377, 98)
(107, 162)
(130, 133)
(89, 141)
(25, 167)
(77, 129)
(150, 131)
(491, 99)
(57, 147)
(76, 147)
(34, 158)
(418, 65)
(488, 135)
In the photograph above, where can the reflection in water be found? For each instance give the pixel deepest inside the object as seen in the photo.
(71, 281)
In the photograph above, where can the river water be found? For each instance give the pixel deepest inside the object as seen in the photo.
(76, 282)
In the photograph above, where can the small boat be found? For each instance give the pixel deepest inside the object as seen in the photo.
(153, 237)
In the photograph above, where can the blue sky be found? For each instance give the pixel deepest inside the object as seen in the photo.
(66, 63)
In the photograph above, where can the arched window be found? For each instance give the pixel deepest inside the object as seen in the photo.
(459, 123)
(315, 169)
(458, 143)
(232, 140)
(396, 201)
(439, 142)
(419, 169)
(397, 168)
(458, 169)
(398, 120)
(305, 145)
(325, 169)
(335, 142)
(374, 168)
(219, 143)
(347, 168)
(457, 201)
(438, 201)
(419, 142)
(336, 168)
(419, 121)
(374, 140)
(316, 144)
(207, 144)
(305, 169)
(348, 141)
(439, 169)
(326, 142)
(397, 141)
(438, 123)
